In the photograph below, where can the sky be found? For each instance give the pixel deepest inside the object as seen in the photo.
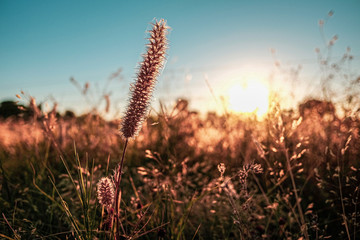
(212, 46)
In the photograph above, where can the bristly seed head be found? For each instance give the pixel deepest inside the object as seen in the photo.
(105, 192)
(149, 70)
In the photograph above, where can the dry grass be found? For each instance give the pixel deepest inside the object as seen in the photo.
(171, 185)
(292, 175)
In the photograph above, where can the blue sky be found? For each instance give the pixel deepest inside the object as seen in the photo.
(44, 43)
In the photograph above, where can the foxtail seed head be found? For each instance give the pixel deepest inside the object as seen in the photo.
(149, 70)
(105, 192)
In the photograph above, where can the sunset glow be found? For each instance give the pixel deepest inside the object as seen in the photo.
(249, 97)
(179, 119)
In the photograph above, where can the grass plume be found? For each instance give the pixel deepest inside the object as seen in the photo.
(153, 61)
(149, 70)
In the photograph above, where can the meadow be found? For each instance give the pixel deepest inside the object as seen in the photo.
(292, 174)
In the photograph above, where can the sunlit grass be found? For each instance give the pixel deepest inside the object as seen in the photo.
(286, 174)
(171, 185)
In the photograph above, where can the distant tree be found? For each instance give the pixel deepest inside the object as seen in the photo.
(9, 109)
(69, 114)
(317, 107)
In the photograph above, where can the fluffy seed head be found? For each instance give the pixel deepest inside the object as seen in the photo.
(149, 70)
(105, 192)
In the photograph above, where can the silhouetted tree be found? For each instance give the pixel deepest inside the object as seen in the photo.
(9, 109)
(69, 114)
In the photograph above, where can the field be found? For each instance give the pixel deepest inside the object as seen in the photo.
(185, 176)
(175, 173)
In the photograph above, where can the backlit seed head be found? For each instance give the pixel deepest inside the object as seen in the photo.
(221, 168)
(242, 176)
(105, 192)
(256, 168)
(149, 70)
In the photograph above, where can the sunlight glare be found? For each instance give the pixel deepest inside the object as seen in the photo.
(251, 97)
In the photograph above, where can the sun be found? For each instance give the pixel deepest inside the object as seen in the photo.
(249, 97)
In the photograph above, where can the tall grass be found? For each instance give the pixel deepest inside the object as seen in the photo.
(170, 183)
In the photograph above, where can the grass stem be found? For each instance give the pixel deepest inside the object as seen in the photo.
(118, 176)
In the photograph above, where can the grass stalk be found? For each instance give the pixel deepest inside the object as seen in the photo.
(118, 176)
(342, 203)
(302, 219)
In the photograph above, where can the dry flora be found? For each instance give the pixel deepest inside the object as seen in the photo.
(150, 67)
(221, 168)
(295, 174)
(141, 91)
(105, 192)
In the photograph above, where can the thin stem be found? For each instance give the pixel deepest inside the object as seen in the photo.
(303, 227)
(342, 203)
(237, 214)
(356, 202)
(118, 176)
